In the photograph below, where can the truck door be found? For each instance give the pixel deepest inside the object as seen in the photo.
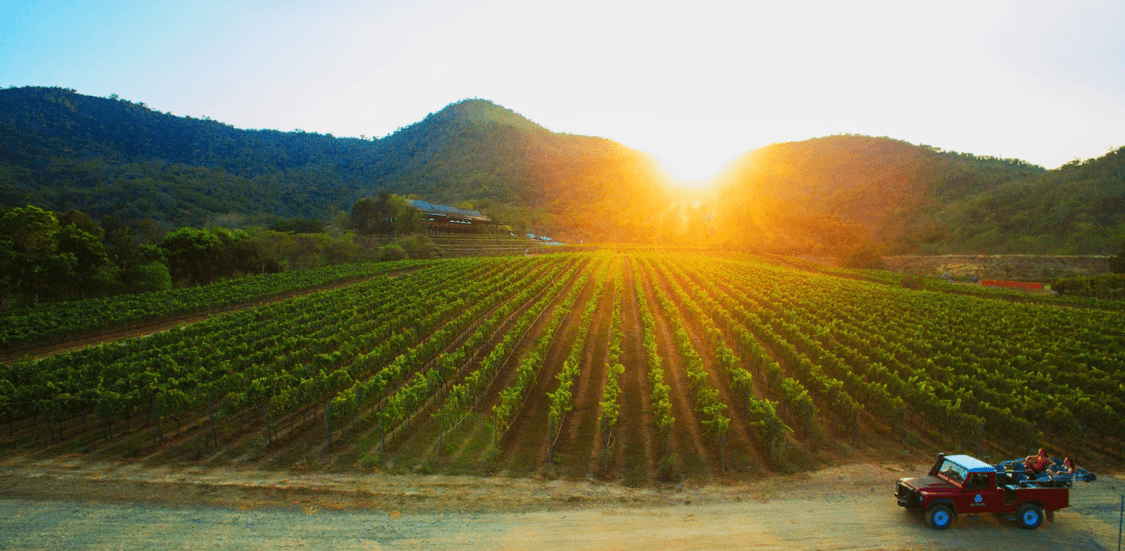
(983, 494)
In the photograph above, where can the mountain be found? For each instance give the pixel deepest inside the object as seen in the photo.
(833, 195)
(837, 192)
(593, 188)
(62, 150)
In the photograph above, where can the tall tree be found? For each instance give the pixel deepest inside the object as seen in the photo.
(41, 257)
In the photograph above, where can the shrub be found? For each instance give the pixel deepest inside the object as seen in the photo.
(419, 246)
(1117, 263)
(391, 253)
(912, 282)
(1104, 286)
(867, 257)
(149, 277)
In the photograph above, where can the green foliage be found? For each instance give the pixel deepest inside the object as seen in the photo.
(419, 246)
(915, 282)
(1078, 208)
(384, 351)
(391, 253)
(63, 150)
(867, 257)
(60, 150)
(41, 256)
(370, 216)
(385, 214)
(200, 256)
(1117, 263)
(298, 225)
(369, 461)
(277, 251)
(147, 278)
(409, 220)
(1110, 286)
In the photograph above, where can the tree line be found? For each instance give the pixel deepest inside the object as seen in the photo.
(52, 256)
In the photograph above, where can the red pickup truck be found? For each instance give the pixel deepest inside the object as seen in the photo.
(960, 484)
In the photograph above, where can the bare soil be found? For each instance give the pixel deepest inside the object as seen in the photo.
(635, 441)
(67, 502)
(527, 446)
(696, 450)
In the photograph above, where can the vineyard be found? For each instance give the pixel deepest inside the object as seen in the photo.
(55, 321)
(635, 366)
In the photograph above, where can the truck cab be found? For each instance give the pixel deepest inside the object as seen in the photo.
(959, 484)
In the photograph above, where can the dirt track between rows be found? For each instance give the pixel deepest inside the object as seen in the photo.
(67, 503)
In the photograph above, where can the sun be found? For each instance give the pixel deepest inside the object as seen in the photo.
(687, 171)
(689, 177)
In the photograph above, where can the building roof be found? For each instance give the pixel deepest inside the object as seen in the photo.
(444, 210)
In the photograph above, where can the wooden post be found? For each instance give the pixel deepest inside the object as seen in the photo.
(98, 409)
(551, 455)
(328, 420)
(722, 456)
(855, 428)
(269, 429)
(441, 430)
(156, 413)
(211, 414)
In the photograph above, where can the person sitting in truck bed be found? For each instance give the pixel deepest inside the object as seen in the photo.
(1036, 464)
(1066, 468)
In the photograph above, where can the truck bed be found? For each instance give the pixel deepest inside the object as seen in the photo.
(1012, 473)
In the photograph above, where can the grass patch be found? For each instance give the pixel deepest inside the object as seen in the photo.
(478, 455)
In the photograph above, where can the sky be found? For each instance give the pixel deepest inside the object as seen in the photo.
(695, 84)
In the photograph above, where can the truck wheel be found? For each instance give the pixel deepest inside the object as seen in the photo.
(939, 517)
(1029, 516)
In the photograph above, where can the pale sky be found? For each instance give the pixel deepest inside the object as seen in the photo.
(694, 83)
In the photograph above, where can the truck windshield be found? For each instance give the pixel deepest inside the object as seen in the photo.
(953, 471)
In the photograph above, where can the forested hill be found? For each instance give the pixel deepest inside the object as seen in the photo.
(813, 194)
(61, 150)
(106, 156)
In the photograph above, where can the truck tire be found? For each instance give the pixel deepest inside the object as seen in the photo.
(1029, 516)
(939, 517)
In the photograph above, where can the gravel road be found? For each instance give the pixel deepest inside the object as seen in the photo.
(823, 510)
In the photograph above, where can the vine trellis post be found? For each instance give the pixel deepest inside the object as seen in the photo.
(156, 413)
(211, 415)
(269, 428)
(98, 409)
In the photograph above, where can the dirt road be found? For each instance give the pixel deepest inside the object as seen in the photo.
(61, 504)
